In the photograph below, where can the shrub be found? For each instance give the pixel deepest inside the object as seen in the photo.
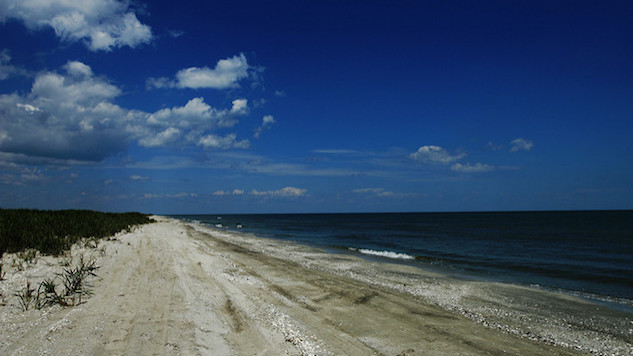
(54, 231)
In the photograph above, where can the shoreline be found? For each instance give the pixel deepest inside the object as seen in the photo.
(173, 287)
(537, 314)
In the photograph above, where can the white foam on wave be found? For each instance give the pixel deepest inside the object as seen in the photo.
(388, 254)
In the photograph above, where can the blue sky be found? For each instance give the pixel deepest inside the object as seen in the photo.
(316, 106)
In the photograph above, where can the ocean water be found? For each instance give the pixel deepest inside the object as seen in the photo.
(585, 253)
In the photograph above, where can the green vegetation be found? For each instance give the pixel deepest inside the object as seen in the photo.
(26, 296)
(74, 282)
(74, 279)
(74, 286)
(54, 231)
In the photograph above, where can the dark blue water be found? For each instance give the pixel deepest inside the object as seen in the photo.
(583, 251)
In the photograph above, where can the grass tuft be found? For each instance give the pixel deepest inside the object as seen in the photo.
(47, 295)
(26, 296)
(75, 279)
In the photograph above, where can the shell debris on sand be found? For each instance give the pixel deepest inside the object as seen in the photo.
(307, 345)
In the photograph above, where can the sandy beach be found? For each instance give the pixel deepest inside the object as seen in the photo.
(173, 288)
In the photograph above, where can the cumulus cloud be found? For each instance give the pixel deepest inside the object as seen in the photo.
(101, 24)
(197, 114)
(226, 74)
(434, 155)
(163, 138)
(226, 192)
(240, 106)
(193, 124)
(267, 122)
(71, 115)
(65, 116)
(521, 144)
(229, 141)
(472, 168)
(287, 192)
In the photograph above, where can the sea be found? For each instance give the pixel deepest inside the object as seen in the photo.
(588, 254)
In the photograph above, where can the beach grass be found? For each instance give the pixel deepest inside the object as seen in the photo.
(55, 231)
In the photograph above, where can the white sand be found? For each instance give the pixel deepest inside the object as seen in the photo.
(169, 288)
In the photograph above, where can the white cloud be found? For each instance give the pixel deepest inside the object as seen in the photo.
(25, 176)
(28, 108)
(5, 69)
(521, 144)
(198, 115)
(175, 33)
(226, 74)
(193, 124)
(65, 116)
(475, 168)
(158, 83)
(493, 147)
(223, 143)
(434, 155)
(71, 115)
(380, 192)
(267, 122)
(138, 177)
(240, 106)
(163, 138)
(73, 89)
(226, 192)
(287, 192)
(268, 119)
(102, 24)
(170, 196)
(78, 69)
(5, 57)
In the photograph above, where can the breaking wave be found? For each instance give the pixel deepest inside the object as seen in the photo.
(387, 254)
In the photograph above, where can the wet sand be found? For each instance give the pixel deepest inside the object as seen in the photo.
(172, 288)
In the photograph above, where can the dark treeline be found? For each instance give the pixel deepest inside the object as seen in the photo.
(54, 231)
